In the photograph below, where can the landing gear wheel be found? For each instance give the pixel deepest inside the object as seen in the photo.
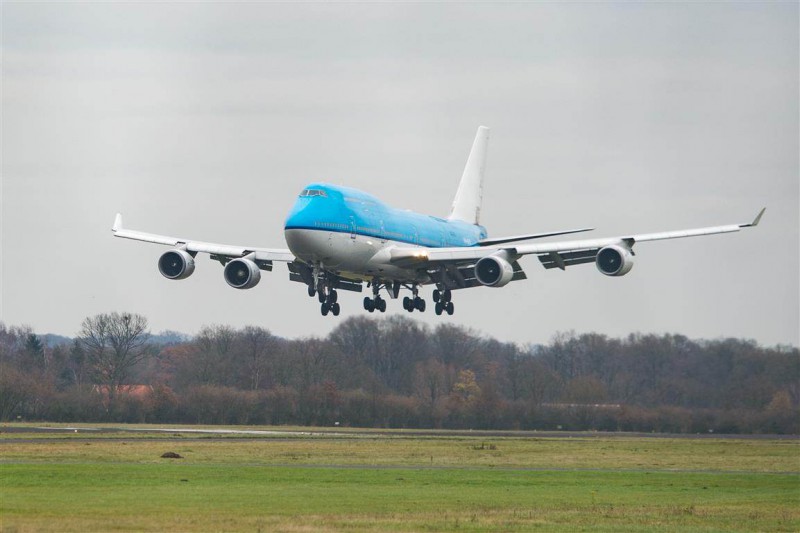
(333, 297)
(419, 304)
(369, 305)
(450, 308)
(335, 309)
(311, 291)
(447, 295)
(407, 304)
(380, 305)
(436, 295)
(438, 308)
(321, 296)
(324, 309)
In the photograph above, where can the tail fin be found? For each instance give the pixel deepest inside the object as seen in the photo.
(467, 203)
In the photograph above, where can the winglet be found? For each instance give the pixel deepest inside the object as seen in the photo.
(117, 223)
(755, 222)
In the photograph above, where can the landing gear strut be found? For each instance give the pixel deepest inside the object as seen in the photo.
(443, 302)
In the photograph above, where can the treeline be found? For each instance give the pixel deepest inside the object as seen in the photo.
(397, 372)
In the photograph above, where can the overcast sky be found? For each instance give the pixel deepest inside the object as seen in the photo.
(206, 120)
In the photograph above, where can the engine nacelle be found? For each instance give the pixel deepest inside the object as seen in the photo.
(614, 260)
(242, 274)
(176, 264)
(493, 271)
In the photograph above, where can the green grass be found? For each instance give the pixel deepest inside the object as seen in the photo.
(400, 484)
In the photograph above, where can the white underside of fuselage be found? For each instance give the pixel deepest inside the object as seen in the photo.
(351, 255)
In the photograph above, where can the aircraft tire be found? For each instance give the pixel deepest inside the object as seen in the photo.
(419, 303)
(311, 291)
(450, 308)
(321, 296)
(335, 309)
(324, 309)
(436, 295)
(447, 296)
(333, 297)
(367, 303)
(438, 308)
(381, 305)
(407, 304)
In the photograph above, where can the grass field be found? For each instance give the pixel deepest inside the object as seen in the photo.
(360, 481)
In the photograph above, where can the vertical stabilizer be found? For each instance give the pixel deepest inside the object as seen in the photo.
(467, 203)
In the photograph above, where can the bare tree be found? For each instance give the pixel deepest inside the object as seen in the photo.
(114, 344)
(210, 358)
(257, 344)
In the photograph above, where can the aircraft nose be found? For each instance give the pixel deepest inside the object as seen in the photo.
(298, 217)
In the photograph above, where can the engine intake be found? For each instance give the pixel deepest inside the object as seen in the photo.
(493, 271)
(242, 274)
(176, 264)
(614, 260)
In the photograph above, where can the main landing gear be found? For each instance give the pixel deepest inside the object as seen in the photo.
(409, 304)
(443, 301)
(376, 303)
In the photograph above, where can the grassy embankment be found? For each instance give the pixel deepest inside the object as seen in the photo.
(367, 482)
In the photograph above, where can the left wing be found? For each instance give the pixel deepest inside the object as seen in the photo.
(616, 262)
(515, 238)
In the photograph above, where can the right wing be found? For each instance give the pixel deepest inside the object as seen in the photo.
(221, 252)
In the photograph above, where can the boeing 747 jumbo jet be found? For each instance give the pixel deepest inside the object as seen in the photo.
(340, 238)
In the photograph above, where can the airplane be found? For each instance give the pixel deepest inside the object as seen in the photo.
(340, 238)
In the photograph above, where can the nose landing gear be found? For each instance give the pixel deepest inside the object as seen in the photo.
(330, 303)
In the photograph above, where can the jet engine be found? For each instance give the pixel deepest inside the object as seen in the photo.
(176, 264)
(493, 271)
(614, 260)
(242, 274)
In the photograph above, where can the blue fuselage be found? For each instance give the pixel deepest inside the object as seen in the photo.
(346, 227)
(345, 210)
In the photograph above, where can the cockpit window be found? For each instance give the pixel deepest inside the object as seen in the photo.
(313, 192)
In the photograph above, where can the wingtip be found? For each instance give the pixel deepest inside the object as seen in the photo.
(117, 223)
(758, 217)
(755, 222)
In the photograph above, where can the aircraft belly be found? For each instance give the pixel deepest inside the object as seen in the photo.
(355, 256)
(333, 249)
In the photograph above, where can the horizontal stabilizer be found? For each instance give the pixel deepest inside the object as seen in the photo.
(501, 240)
